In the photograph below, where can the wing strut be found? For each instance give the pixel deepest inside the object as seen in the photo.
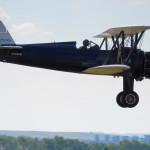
(114, 46)
(134, 46)
(121, 53)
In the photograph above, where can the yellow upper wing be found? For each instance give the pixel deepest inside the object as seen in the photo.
(128, 31)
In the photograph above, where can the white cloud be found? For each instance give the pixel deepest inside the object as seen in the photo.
(30, 33)
(3, 15)
(24, 29)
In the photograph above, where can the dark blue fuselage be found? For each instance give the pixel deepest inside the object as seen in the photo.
(58, 56)
(61, 56)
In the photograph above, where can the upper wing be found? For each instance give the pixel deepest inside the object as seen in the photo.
(107, 69)
(128, 31)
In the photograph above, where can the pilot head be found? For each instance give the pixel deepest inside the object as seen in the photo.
(86, 43)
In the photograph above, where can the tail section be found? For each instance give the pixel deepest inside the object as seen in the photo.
(5, 37)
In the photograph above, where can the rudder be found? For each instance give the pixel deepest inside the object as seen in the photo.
(5, 37)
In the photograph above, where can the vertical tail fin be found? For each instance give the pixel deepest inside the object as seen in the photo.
(5, 37)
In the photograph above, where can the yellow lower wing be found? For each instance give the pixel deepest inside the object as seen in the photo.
(107, 69)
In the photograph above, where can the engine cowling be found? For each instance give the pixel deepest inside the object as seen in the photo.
(147, 65)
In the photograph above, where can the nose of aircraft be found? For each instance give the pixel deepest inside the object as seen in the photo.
(147, 65)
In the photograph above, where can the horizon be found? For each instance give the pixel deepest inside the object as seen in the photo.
(90, 132)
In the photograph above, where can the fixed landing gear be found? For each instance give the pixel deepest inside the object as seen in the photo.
(128, 98)
(120, 101)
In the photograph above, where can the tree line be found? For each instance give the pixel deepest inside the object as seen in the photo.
(59, 143)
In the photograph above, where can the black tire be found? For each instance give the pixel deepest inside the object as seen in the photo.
(130, 99)
(120, 101)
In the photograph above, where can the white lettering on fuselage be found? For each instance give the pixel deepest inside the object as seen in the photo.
(16, 54)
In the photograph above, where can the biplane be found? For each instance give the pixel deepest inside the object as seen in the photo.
(124, 58)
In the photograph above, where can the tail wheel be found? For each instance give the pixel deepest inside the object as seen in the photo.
(120, 100)
(130, 99)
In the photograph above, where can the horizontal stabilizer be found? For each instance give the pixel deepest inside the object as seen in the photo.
(107, 69)
(11, 47)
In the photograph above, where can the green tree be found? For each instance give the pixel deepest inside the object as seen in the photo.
(96, 146)
(8, 142)
(105, 148)
(48, 144)
(113, 147)
(27, 143)
(133, 145)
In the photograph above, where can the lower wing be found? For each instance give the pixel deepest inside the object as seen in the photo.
(107, 69)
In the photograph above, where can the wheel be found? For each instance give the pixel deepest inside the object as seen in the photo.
(130, 99)
(120, 101)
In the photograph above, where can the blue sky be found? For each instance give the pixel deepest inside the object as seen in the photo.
(47, 100)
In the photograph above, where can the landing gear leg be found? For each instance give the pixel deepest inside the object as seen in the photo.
(128, 98)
